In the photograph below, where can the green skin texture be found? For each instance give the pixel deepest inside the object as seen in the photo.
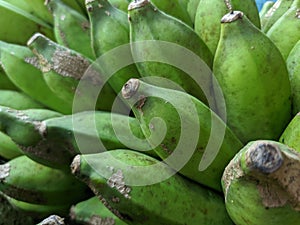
(20, 22)
(175, 8)
(173, 201)
(276, 11)
(147, 23)
(110, 29)
(155, 107)
(64, 85)
(10, 215)
(265, 8)
(57, 144)
(22, 74)
(120, 4)
(85, 211)
(291, 134)
(8, 148)
(209, 14)
(254, 79)
(289, 25)
(243, 199)
(293, 66)
(192, 8)
(71, 28)
(5, 82)
(34, 183)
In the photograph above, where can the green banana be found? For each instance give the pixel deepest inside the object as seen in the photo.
(8, 148)
(71, 28)
(108, 18)
(264, 10)
(13, 60)
(120, 4)
(10, 215)
(26, 180)
(175, 8)
(183, 140)
(291, 134)
(254, 80)
(156, 38)
(210, 12)
(38, 211)
(289, 25)
(18, 100)
(54, 142)
(274, 13)
(5, 82)
(293, 66)
(93, 211)
(261, 184)
(175, 200)
(52, 220)
(71, 76)
(192, 9)
(20, 22)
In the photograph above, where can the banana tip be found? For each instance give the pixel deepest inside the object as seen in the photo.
(33, 38)
(232, 16)
(75, 165)
(137, 4)
(130, 88)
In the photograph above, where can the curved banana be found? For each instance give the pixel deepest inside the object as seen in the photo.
(93, 211)
(152, 33)
(71, 28)
(20, 22)
(290, 135)
(54, 142)
(254, 80)
(293, 66)
(175, 8)
(190, 127)
(13, 60)
(261, 184)
(264, 10)
(289, 25)
(210, 12)
(18, 100)
(120, 4)
(64, 69)
(192, 6)
(175, 200)
(26, 180)
(103, 19)
(8, 148)
(5, 82)
(274, 13)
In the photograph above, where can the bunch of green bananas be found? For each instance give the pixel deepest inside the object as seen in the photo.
(149, 112)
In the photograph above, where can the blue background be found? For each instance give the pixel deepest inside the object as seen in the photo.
(260, 3)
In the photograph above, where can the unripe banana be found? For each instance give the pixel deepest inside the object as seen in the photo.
(26, 180)
(10, 215)
(289, 25)
(5, 82)
(108, 18)
(274, 13)
(38, 211)
(254, 80)
(291, 133)
(210, 12)
(261, 185)
(71, 28)
(293, 66)
(54, 142)
(184, 138)
(120, 4)
(151, 33)
(13, 60)
(18, 100)
(192, 8)
(117, 178)
(93, 211)
(175, 8)
(63, 69)
(8, 148)
(15, 21)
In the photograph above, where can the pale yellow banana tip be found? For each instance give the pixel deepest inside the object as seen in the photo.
(130, 88)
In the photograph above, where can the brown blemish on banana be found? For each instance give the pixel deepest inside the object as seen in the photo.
(298, 13)
(34, 61)
(130, 88)
(117, 181)
(107, 13)
(137, 4)
(97, 220)
(44, 65)
(4, 171)
(107, 205)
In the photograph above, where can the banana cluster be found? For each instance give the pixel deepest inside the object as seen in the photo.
(153, 112)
